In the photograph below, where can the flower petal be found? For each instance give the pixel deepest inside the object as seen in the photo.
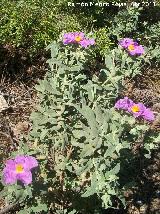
(10, 164)
(9, 176)
(25, 178)
(148, 115)
(124, 103)
(19, 159)
(31, 162)
(68, 38)
(84, 43)
(126, 42)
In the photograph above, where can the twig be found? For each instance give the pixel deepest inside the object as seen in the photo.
(8, 208)
(11, 206)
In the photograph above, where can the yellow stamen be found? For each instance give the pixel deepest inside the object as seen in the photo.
(131, 47)
(78, 38)
(135, 108)
(19, 168)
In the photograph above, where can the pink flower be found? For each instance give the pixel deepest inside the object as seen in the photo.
(136, 109)
(72, 37)
(77, 38)
(68, 38)
(124, 103)
(133, 48)
(87, 42)
(19, 169)
(125, 42)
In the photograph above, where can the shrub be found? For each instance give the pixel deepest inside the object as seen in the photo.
(83, 144)
(33, 24)
(81, 141)
(133, 22)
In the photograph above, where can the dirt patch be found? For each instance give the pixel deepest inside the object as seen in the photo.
(21, 101)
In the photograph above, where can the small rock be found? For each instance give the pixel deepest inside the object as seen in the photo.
(3, 104)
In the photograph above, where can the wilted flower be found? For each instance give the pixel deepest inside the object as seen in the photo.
(77, 38)
(132, 47)
(19, 169)
(137, 109)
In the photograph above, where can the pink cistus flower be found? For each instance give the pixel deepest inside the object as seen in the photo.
(126, 42)
(124, 103)
(72, 37)
(132, 47)
(19, 169)
(135, 49)
(77, 38)
(87, 42)
(140, 110)
(136, 109)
